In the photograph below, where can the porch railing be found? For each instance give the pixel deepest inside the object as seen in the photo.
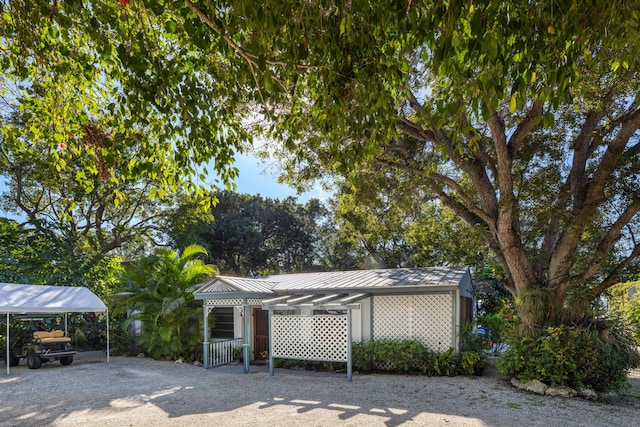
(224, 351)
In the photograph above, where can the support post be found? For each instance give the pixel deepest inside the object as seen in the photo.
(205, 339)
(245, 338)
(7, 358)
(108, 339)
(272, 369)
(349, 358)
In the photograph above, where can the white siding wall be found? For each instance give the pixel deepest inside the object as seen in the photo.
(365, 333)
(237, 323)
(425, 318)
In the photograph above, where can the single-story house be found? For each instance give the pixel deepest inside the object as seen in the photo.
(316, 316)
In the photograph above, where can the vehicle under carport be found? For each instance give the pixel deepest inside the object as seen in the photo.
(42, 299)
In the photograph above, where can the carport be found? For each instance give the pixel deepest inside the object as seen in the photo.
(41, 299)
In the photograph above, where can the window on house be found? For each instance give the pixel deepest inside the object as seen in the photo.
(223, 326)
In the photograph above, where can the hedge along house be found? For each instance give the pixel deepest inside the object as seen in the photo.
(316, 316)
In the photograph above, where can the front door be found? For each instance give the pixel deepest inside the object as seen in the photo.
(260, 334)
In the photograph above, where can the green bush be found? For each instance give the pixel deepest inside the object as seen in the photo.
(496, 325)
(412, 356)
(596, 356)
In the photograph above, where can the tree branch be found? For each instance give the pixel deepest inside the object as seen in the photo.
(607, 242)
(588, 196)
(248, 56)
(524, 127)
(614, 275)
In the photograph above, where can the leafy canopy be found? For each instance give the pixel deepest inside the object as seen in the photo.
(185, 73)
(251, 235)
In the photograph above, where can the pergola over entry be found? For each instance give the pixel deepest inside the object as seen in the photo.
(41, 299)
(313, 327)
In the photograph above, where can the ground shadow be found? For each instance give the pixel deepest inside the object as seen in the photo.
(134, 390)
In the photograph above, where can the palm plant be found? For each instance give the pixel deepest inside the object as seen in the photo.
(158, 290)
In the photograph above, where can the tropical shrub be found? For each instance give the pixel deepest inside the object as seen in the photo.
(596, 356)
(158, 290)
(412, 356)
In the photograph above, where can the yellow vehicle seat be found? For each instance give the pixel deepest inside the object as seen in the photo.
(50, 336)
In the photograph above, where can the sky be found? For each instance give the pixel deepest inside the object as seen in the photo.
(257, 177)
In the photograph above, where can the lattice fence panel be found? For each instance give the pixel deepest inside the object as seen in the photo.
(317, 337)
(228, 302)
(425, 318)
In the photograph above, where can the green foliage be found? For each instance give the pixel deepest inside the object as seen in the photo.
(624, 300)
(35, 253)
(478, 104)
(251, 235)
(412, 356)
(86, 209)
(158, 290)
(291, 363)
(496, 325)
(400, 228)
(123, 343)
(597, 356)
(488, 289)
(75, 65)
(89, 330)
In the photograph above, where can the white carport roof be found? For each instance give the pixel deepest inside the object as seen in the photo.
(16, 298)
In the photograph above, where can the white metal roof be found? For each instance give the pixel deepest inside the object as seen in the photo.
(341, 280)
(15, 298)
(371, 279)
(237, 284)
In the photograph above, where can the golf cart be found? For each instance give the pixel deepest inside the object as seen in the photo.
(39, 346)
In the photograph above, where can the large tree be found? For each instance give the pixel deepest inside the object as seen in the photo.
(91, 212)
(477, 103)
(38, 254)
(251, 235)
(404, 227)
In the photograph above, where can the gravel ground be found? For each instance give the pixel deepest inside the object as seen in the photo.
(143, 392)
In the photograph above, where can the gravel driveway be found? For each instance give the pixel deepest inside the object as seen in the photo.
(143, 392)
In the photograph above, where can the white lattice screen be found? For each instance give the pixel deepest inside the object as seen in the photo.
(229, 302)
(317, 337)
(425, 318)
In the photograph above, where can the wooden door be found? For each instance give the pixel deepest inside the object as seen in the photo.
(260, 333)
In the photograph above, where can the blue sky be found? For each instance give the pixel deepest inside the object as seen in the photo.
(261, 178)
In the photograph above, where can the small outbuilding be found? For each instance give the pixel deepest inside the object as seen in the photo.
(41, 299)
(316, 316)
